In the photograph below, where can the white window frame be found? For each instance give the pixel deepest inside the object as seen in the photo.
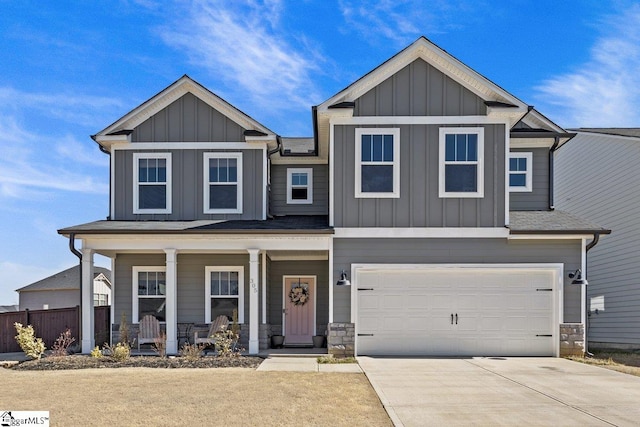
(444, 131)
(134, 287)
(290, 186)
(207, 290)
(528, 187)
(395, 193)
(136, 183)
(97, 297)
(207, 183)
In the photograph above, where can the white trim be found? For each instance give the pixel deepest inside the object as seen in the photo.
(207, 182)
(531, 142)
(507, 195)
(557, 268)
(113, 295)
(422, 232)
(112, 188)
(169, 172)
(528, 173)
(359, 163)
(265, 182)
(418, 120)
(331, 175)
(189, 146)
(264, 286)
(534, 236)
(309, 186)
(331, 278)
(207, 289)
(313, 298)
(134, 287)
(294, 257)
(479, 163)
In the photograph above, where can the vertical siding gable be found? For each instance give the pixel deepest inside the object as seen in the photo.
(419, 89)
(188, 119)
(538, 198)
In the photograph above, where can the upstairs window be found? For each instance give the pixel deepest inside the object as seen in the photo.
(520, 172)
(223, 183)
(461, 162)
(377, 169)
(152, 183)
(300, 186)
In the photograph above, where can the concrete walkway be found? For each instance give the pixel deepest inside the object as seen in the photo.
(305, 364)
(503, 392)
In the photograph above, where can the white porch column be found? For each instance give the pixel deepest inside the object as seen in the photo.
(254, 285)
(87, 301)
(171, 306)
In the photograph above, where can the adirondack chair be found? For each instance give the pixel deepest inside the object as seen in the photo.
(218, 325)
(149, 330)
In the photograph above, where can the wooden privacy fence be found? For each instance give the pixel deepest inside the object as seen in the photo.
(49, 324)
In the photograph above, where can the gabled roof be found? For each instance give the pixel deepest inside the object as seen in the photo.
(551, 222)
(185, 84)
(8, 308)
(630, 132)
(440, 59)
(67, 279)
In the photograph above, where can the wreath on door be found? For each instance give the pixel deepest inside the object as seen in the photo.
(299, 295)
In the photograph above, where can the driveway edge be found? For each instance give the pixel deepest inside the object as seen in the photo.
(383, 398)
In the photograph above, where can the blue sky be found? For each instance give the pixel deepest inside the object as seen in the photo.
(68, 69)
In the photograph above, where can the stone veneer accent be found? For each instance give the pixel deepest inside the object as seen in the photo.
(341, 339)
(571, 339)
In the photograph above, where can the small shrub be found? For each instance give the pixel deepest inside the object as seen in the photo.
(226, 343)
(61, 346)
(120, 352)
(192, 351)
(96, 353)
(160, 344)
(336, 360)
(33, 347)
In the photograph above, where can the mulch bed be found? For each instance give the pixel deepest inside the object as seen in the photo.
(85, 362)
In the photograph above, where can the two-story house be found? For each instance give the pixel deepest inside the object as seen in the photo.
(418, 219)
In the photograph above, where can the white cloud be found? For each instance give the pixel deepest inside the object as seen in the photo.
(604, 91)
(240, 43)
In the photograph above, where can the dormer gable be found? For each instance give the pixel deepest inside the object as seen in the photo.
(163, 118)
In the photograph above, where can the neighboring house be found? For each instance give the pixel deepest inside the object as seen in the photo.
(62, 290)
(425, 185)
(598, 178)
(8, 308)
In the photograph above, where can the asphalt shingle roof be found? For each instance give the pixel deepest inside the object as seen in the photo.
(67, 279)
(550, 222)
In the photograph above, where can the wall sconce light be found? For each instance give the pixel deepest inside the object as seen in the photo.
(577, 278)
(344, 281)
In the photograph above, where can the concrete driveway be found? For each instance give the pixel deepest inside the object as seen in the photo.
(503, 391)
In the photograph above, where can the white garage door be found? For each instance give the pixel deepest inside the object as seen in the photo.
(463, 311)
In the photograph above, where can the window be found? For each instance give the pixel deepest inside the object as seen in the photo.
(300, 186)
(149, 293)
(223, 183)
(461, 162)
(377, 163)
(100, 299)
(152, 183)
(520, 172)
(224, 292)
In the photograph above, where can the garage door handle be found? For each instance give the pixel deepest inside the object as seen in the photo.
(456, 318)
(452, 318)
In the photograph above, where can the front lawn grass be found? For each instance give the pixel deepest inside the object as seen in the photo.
(221, 396)
(621, 361)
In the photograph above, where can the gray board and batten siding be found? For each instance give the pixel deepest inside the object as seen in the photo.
(538, 198)
(455, 251)
(187, 177)
(419, 204)
(419, 89)
(597, 177)
(188, 119)
(278, 197)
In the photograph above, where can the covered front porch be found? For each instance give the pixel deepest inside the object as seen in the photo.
(279, 283)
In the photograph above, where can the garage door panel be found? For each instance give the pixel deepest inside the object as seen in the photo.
(500, 312)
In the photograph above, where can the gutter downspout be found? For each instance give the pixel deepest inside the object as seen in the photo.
(268, 160)
(596, 239)
(552, 150)
(72, 248)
